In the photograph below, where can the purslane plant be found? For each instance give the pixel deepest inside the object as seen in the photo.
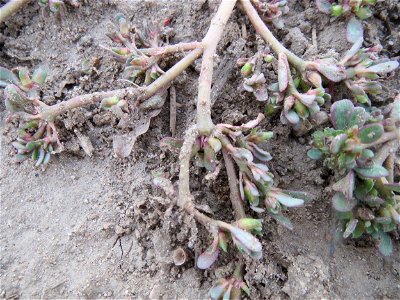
(272, 10)
(361, 149)
(360, 69)
(361, 8)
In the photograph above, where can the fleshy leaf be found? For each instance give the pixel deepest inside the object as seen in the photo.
(342, 204)
(337, 143)
(364, 13)
(218, 289)
(345, 185)
(207, 258)
(384, 67)
(8, 76)
(39, 75)
(354, 31)
(335, 73)
(288, 200)
(358, 117)
(324, 6)
(374, 172)
(246, 239)
(314, 154)
(340, 114)
(370, 133)
(350, 227)
(385, 244)
(393, 186)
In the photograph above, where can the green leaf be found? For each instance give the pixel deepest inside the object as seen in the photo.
(342, 204)
(341, 112)
(324, 6)
(385, 244)
(354, 30)
(358, 117)
(384, 67)
(338, 142)
(288, 200)
(374, 172)
(370, 133)
(364, 13)
(314, 154)
(359, 230)
(8, 76)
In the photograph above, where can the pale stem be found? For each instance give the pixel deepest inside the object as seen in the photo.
(11, 7)
(170, 49)
(210, 41)
(50, 112)
(170, 75)
(267, 35)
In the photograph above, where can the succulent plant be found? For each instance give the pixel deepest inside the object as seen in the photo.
(272, 10)
(361, 8)
(137, 64)
(37, 138)
(362, 147)
(230, 288)
(298, 100)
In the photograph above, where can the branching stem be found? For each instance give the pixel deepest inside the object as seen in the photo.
(267, 35)
(11, 7)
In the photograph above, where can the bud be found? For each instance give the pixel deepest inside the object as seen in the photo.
(215, 144)
(268, 58)
(24, 78)
(250, 224)
(337, 10)
(223, 241)
(106, 103)
(56, 5)
(247, 69)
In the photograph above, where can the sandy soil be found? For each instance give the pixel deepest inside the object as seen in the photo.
(96, 227)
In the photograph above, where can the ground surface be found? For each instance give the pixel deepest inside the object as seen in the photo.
(97, 228)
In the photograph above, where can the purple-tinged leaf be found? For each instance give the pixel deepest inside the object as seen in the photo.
(208, 257)
(333, 72)
(246, 239)
(354, 30)
(287, 200)
(324, 6)
(383, 68)
(219, 289)
(338, 142)
(340, 114)
(260, 153)
(374, 172)
(353, 50)
(342, 204)
(370, 133)
(345, 185)
(283, 72)
(307, 100)
(24, 77)
(261, 93)
(350, 227)
(244, 154)
(253, 123)
(365, 214)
